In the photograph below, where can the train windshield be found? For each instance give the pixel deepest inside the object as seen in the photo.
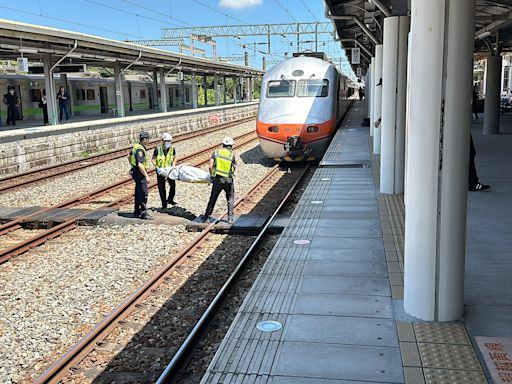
(281, 88)
(313, 88)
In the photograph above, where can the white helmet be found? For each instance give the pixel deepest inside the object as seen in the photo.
(228, 141)
(166, 136)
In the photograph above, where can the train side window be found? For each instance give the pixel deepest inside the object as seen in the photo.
(80, 94)
(91, 95)
(281, 88)
(35, 95)
(313, 88)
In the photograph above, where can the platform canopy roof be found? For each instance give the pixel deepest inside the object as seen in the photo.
(34, 41)
(359, 23)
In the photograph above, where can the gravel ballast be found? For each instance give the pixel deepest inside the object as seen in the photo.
(56, 293)
(45, 193)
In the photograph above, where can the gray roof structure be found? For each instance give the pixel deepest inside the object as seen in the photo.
(34, 41)
(493, 22)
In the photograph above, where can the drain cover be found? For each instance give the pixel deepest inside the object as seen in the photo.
(317, 202)
(301, 242)
(269, 326)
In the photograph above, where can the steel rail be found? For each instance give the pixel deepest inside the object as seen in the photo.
(16, 224)
(83, 347)
(186, 349)
(98, 159)
(71, 222)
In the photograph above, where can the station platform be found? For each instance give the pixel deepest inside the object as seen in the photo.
(327, 307)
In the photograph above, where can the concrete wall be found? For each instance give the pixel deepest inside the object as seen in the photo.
(24, 149)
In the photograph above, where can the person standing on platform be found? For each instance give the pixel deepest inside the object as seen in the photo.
(473, 181)
(63, 98)
(139, 160)
(222, 169)
(12, 101)
(43, 104)
(164, 156)
(475, 102)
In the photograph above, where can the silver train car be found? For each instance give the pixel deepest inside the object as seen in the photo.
(90, 96)
(302, 101)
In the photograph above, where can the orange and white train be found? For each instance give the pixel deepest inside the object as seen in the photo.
(301, 103)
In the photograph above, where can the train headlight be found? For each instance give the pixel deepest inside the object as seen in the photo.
(313, 129)
(273, 129)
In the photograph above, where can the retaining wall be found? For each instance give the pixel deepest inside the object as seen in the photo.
(24, 149)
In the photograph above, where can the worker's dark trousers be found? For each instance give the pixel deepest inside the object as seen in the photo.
(161, 190)
(141, 194)
(217, 187)
(473, 176)
(11, 115)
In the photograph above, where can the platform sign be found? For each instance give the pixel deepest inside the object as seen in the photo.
(497, 353)
(355, 57)
(22, 64)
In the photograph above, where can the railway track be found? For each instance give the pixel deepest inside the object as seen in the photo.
(97, 200)
(112, 326)
(23, 179)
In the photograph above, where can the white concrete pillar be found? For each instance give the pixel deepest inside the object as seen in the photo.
(394, 74)
(492, 95)
(163, 91)
(216, 88)
(442, 33)
(155, 88)
(119, 89)
(49, 86)
(377, 99)
(194, 90)
(371, 91)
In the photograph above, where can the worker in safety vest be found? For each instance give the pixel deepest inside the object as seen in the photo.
(164, 156)
(140, 162)
(222, 168)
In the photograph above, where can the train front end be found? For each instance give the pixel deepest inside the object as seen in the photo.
(297, 113)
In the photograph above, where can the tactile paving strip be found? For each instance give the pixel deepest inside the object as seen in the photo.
(448, 356)
(441, 333)
(447, 376)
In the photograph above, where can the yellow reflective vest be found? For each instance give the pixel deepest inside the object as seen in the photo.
(223, 163)
(163, 160)
(133, 160)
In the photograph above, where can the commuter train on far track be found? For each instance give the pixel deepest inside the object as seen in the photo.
(302, 102)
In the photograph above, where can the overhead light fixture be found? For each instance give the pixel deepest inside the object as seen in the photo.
(110, 59)
(28, 50)
(75, 55)
(483, 35)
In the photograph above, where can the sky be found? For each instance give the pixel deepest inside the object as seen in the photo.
(144, 20)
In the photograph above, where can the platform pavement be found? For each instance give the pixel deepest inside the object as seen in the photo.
(339, 297)
(332, 294)
(488, 285)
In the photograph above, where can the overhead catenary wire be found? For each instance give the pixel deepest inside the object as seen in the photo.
(286, 10)
(233, 18)
(130, 13)
(309, 10)
(156, 12)
(66, 21)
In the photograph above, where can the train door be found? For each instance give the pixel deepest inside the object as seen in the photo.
(103, 99)
(171, 96)
(151, 98)
(20, 108)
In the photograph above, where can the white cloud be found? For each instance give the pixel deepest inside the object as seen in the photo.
(239, 4)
